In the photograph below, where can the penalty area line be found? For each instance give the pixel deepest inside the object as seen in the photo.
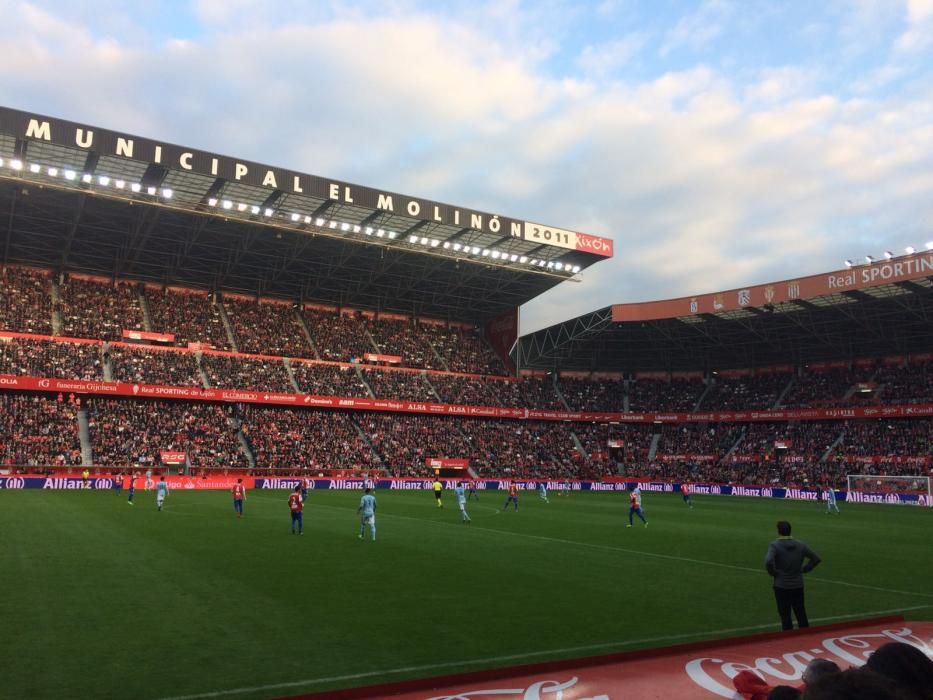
(521, 657)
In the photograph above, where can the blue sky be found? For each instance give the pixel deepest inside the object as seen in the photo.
(719, 143)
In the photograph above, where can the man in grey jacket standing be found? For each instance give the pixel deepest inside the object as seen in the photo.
(785, 562)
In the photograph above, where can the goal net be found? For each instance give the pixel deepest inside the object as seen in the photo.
(908, 489)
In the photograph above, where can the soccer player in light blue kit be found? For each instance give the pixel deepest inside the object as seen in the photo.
(831, 506)
(461, 501)
(161, 493)
(368, 510)
(542, 491)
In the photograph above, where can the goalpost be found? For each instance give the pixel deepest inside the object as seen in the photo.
(891, 485)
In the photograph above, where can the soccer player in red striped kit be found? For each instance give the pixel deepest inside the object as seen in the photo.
(296, 505)
(239, 495)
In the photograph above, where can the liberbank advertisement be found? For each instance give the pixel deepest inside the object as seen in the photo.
(186, 483)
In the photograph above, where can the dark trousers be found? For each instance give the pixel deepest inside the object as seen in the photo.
(791, 599)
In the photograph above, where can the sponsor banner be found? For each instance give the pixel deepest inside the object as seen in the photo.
(183, 483)
(391, 359)
(447, 463)
(688, 457)
(156, 391)
(696, 671)
(170, 457)
(903, 268)
(146, 335)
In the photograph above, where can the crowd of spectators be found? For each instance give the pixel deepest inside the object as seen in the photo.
(406, 386)
(633, 440)
(232, 372)
(339, 337)
(470, 391)
(463, 350)
(659, 395)
(193, 318)
(40, 358)
(148, 366)
(745, 393)
(328, 380)
(25, 301)
(908, 384)
(299, 440)
(708, 439)
(38, 431)
(405, 339)
(537, 392)
(599, 395)
(99, 310)
(267, 329)
(825, 387)
(125, 433)
(886, 438)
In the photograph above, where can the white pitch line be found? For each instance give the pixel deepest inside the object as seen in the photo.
(656, 555)
(519, 657)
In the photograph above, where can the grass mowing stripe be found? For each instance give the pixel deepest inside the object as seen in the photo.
(655, 555)
(527, 655)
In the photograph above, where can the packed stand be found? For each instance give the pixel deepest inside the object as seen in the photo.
(297, 440)
(704, 439)
(538, 392)
(99, 309)
(406, 442)
(405, 339)
(36, 431)
(405, 386)
(25, 301)
(470, 391)
(828, 387)
(745, 393)
(328, 380)
(126, 433)
(231, 372)
(147, 366)
(659, 395)
(597, 395)
(338, 337)
(627, 443)
(464, 350)
(191, 317)
(41, 358)
(882, 438)
(910, 384)
(523, 449)
(267, 329)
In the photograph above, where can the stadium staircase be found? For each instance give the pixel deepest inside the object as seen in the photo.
(653, 450)
(231, 337)
(144, 307)
(84, 434)
(245, 447)
(438, 356)
(709, 388)
(372, 342)
(735, 445)
(307, 331)
(778, 402)
(204, 378)
(829, 450)
(359, 374)
(563, 401)
(291, 374)
(105, 362)
(578, 445)
(56, 309)
(625, 398)
(433, 390)
(372, 448)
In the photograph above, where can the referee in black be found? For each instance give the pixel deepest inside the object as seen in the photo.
(785, 562)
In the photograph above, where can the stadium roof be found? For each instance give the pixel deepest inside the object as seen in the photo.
(872, 310)
(77, 197)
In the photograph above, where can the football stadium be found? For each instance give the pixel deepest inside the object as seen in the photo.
(217, 375)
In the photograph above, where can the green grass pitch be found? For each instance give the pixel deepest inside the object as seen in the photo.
(100, 599)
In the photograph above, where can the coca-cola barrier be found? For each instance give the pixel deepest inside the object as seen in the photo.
(226, 482)
(187, 393)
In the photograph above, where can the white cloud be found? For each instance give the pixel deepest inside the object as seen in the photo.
(919, 32)
(698, 30)
(601, 60)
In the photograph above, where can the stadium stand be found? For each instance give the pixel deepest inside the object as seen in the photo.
(235, 372)
(452, 388)
(38, 431)
(910, 384)
(190, 316)
(127, 433)
(463, 350)
(337, 336)
(409, 386)
(266, 329)
(41, 358)
(94, 309)
(26, 300)
(593, 394)
(328, 380)
(149, 366)
(403, 338)
(676, 395)
(745, 393)
(297, 441)
(825, 387)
